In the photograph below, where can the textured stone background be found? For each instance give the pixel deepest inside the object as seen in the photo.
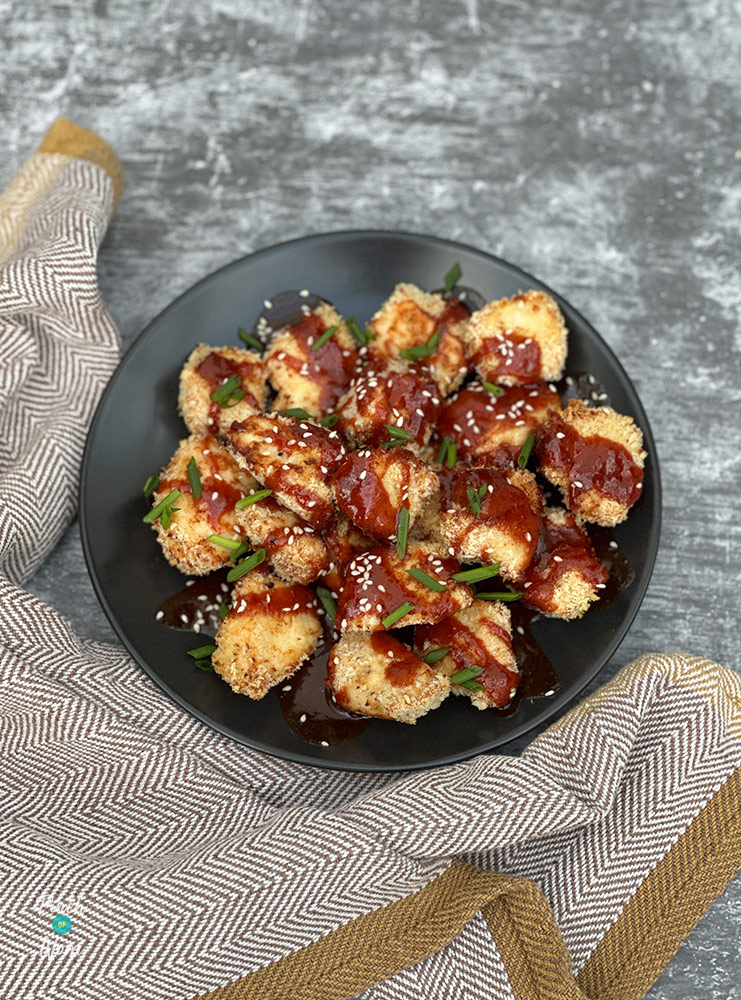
(595, 144)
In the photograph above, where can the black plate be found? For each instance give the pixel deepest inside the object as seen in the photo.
(136, 429)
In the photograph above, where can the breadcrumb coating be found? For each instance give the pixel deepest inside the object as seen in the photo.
(294, 549)
(205, 371)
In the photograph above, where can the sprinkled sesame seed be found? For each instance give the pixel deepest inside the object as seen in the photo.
(268, 304)
(160, 615)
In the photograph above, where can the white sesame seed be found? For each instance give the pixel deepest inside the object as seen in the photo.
(160, 615)
(268, 304)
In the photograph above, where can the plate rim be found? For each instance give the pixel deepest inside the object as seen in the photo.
(560, 706)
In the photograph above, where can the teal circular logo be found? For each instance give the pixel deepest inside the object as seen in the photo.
(61, 924)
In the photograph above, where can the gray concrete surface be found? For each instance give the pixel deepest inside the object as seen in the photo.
(595, 144)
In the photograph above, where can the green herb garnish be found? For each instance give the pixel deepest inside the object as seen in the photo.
(202, 652)
(223, 610)
(391, 619)
(399, 433)
(402, 532)
(204, 664)
(245, 566)
(495, 595)
(435, 655)
(194, 478)
(452, 454)
(451, 278)
(526, 449)
(475, 496)
(423, 350)
(494, 389)
(443, 450)
(474, 575)
(250, 339)
(151, 485)
(228, 391)
(330, 420)
(324, 338)
(464, 678)
(163, 510)
(296, 411)
(252, 498)
(227, 543)
(362, 336)
(426, 579)
(328, 602)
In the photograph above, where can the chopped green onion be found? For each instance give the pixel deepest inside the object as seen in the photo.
(324, 338)
(399, 432)
(151, 485)
(402, 532)
(390, 444)
(452, 454)
(243, 549)
(493, 595)
(328, 602)
(227, 543)
(296, 411)
(451, 278)
(526, 449)
(494, 389)
(166, 516)
(195, 479)
(330, 420)
(245, 566)
(426, 579)
(472, 686)
(235, 397)
(161, 509)
(474, 575)
(435, 655)
(223, 610)
(423, 350)
(202, 652)
(204, 664)
(252, 498)
(250, 339)
(475, 497)
(443, 450)
(466, 674)
(362, 336)
(229, 390)
(391, 619)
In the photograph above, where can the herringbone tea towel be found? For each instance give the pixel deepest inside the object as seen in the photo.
(181, 864)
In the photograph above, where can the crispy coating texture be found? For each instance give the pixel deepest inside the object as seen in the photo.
(491, 430)
(313, 379)
(506, 529)
(185, 542)
(427, 526)
(409, 318)
(570, 462)
(202, 374)
(378, 582)
(295, 550)
(389, 392)
(374, 674)
(481, 636)
(518, 340)
(270, 629)
(565, 576)
(345, 541)
(372, 485)
(294, 459)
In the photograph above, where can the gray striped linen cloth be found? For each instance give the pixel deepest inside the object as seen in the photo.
(186, 861)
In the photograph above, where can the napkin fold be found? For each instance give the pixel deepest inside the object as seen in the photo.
(188, 865)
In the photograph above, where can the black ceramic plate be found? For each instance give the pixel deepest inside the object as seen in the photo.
(136, 429)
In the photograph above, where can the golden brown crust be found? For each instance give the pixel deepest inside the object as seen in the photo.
(295, 550)
(201, 416)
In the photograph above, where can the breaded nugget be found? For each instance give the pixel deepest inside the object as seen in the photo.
(294, 549)
(345, 541)
(372, 485)
(378, 582)
(410, 318)
(519, 340)
(371, 673)
(391, 393)
(504, 530)
(565, 575)
(595, 456)
(477, 636)
(306, 376)
(427, 526)
(185, 541)
(294, 459)
(270, 629)
(490, 430)
(206, 371)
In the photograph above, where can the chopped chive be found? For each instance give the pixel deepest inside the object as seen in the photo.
(151, 485)
(243, 549)
(362, 336)
(451, 278)
(472, 686)
(223, 610)
(166, 516)
(474, 575)
(494, 389)
(390, 444)
(452, 454)
(328, 602)
(426, 579)
(245, 566)
(399, 432)
(227, 543)
(235, 397)
(195, 479)
(250, 339)
(252, 498)
(296, 411)
(202, 652)
(443, 450)
(526, 449)
(422, 350)
(391, 619)
(225, 390)
(475, 497)
(330, 420)
(496, 595)
(435, 655)
(402, 532)
(324, 338)
(161, 508)
(204, 664)
(466, 674)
